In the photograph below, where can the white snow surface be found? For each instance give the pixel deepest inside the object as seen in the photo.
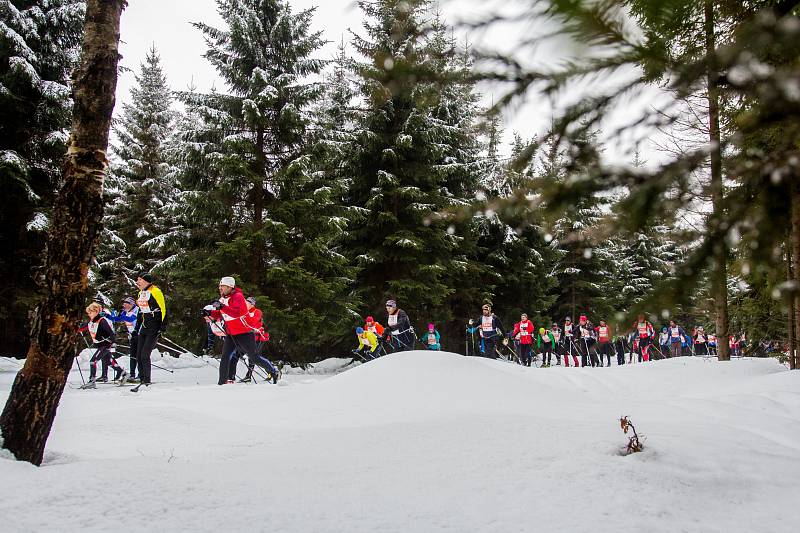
(419, 442)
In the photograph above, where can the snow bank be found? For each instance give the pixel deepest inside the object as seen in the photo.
(425, 441)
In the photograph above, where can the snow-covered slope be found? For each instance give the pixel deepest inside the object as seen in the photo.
(421, 442)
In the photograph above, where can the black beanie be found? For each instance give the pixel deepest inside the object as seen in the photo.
(147, 276)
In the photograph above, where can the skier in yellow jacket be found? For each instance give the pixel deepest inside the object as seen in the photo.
(367, 344)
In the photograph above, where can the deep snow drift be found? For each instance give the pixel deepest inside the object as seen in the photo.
(420, 442)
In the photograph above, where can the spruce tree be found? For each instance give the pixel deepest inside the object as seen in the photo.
(417, 156)
(141, 189)
(262, 202)
(39, 48)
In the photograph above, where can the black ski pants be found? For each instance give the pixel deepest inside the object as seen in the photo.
(525, 354)
(133, 341)
(246, 344)
(490, 347)
(604, 348)
(144, 347)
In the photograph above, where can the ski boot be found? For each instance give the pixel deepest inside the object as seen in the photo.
(102, 379)
(91, 384)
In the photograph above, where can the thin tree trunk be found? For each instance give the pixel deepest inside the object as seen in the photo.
(719, 275)
(259, 171)
(792, 309)
(77, 214)
(794, 270)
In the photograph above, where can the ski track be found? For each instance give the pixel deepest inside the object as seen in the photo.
(420, 442)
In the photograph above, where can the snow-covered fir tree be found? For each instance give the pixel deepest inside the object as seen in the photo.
(416, 157)
(141, 189)
(582, 267)
(39, 48)
(259, 204)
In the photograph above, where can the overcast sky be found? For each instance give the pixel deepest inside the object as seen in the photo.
(167, 24)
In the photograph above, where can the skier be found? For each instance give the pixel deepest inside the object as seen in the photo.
(255, 320)
(700, 341)
(568, 344)
(491, 331)
(149, 324)
(586, 342)
(128, 317)
(523, 332)
(431, 339)
(645, 332)
(619, 346)
(604, 344)
(474, 348)
(676, 339)
(545, 343)
(663, 342)
(232, 309)
(367, 344)
(399, 335)
(555, 331)
(373, 327)
(102, 333)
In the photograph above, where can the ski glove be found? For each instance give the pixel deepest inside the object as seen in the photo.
(217, 305)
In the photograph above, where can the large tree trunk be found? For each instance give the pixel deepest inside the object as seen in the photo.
(77, 214)
(719, 274)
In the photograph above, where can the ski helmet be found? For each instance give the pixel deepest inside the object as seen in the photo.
(359, 330)
(542, 331)
(391, 303)
(431, 327)
(370, 320)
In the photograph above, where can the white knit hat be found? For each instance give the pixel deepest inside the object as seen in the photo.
(228, 280)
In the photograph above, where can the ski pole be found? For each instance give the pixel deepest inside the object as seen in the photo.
(175, 346)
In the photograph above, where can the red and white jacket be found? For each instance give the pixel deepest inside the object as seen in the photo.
(234, 313)
(524, 332)
(603, 333)
(644, 329)
(255, 321)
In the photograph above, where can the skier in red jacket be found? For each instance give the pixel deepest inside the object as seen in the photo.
(523, 332)
(232, 309)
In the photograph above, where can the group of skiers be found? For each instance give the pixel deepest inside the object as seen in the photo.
(144, 321)
(375, 340)
(240, 323)
(585, 341)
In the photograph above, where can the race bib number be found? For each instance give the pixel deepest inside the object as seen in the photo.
(392, 320)
(143, 301)
(486, 323)
(431, 338)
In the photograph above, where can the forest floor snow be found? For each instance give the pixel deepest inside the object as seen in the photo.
(420, 442)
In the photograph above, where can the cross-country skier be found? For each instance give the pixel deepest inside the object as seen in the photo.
(556, 333)
(545, 343)
(373, 327)
(586, 342)
(604, 345)
(677, 337)
(663, 343)
(102, 333)
(398, 334)
(491, 331)
(568, 342)
(431, 338)
(232, 309)
(149, 324)
(524, 332)
(700, 341)
(367, 344)
(474, 344)
(645, 333)
(128, 317)
(255, 319)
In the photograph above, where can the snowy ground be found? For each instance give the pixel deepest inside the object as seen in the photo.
(421, 442)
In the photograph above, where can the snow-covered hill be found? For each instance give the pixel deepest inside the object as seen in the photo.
(421, 442)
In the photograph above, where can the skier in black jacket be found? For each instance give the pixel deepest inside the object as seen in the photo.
(103, 338)
(398, 334)
(491, 331)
